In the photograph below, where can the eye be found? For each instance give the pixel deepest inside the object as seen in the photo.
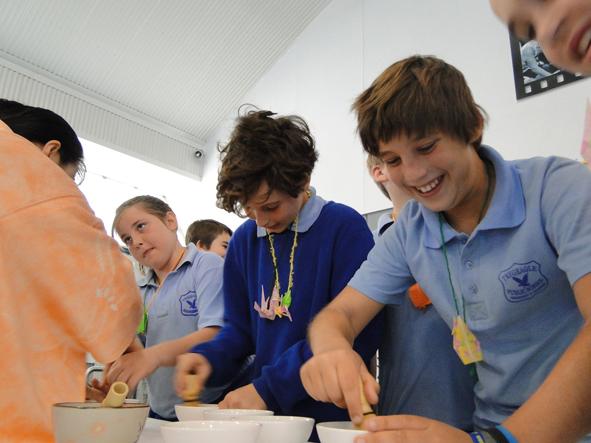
(531, 32)
(427, 149)
(392, 161)
(271, 208)
(141, 226)
(126, 240)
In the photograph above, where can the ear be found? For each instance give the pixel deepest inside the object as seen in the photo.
(201, 246)
(377, 174)
(478, 132)
(170, 221)
(52, 150)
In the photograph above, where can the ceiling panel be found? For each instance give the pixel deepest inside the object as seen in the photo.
(184, 63)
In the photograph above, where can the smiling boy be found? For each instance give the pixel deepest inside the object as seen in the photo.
(501, 247)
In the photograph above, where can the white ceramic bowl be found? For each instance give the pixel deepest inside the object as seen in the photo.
(233, 414)
(210, 431)
(192, 412)
(285, 428)
(92, 423)
(337, 432)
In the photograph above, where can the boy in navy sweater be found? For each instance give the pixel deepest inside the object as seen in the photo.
(283, 266)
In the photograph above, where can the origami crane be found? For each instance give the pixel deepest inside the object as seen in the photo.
(273, 307)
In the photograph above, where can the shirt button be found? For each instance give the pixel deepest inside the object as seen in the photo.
(473, 289)
(469, 264)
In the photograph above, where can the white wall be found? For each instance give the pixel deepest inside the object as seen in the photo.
(352, 41)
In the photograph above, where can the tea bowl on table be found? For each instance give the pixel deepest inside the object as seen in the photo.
(92, 423)
(233, 414)
(187, 411)
(281, 428)
(210, 431)
(338, 432)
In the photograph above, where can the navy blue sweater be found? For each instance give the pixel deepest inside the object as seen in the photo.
(327, 256)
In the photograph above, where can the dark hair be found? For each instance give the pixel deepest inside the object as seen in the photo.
(262, 148)
(205, 231)
(40, 125)
(150, 204)
(415, 97)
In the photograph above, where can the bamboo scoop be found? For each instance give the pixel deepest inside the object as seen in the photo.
(365, 406)
(192, 390)
(116, 396)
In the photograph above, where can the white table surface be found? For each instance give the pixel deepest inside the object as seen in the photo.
(151, 432)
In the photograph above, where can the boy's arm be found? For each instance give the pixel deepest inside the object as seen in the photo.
(329, 375)
(227, 351)
(559, 409)
(557, 412)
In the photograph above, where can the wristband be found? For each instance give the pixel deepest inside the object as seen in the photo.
(494, 435)
(477, 437)
(507, 434)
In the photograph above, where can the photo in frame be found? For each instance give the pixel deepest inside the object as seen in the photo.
(532, 72)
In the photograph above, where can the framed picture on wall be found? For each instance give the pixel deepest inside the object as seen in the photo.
(533, 73)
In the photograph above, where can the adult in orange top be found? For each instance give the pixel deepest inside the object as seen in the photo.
(65, 289)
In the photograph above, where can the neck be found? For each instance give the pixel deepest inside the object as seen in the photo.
(171, 265)
(466, 216)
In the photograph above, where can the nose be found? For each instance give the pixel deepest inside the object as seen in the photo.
(414, 171)
(259, 218)
(136, 240)
(549, 24)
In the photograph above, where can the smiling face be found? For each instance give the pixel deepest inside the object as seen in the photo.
(274, 211)
(562, 27)
(152, 241)
(441, 173)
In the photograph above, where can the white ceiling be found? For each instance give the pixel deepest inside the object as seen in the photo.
(182, 64)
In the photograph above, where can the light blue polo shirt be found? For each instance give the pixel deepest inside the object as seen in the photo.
(515, 272)
(190, 299)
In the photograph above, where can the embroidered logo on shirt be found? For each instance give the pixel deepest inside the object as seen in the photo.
(188, 304)
(523, 281)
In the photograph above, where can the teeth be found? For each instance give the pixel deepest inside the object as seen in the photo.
(429, 186)
(584, 43)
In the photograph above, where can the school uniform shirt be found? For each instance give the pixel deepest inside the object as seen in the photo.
(515, 273)
(333, 240)
(419, 371)
(65, 289)
(190, 299)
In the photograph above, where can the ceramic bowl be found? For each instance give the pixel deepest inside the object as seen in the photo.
(92, 423)
(281, 428)
(338, 432)
(210, 431)
(186, 412)
(232, 414)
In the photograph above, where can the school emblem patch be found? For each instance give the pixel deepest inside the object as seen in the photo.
(523, 281)
(188, 304)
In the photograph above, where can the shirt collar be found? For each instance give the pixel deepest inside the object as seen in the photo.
(384, 222)
(149, 279)
(506, 210)
(308, 214)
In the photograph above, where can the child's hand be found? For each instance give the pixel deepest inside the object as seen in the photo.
(333, 377)
(190, 364)
(245, 397)
(410, 429)
(96, 390)
(132, 367)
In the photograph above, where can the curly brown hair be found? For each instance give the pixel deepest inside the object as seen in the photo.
(262, 148)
